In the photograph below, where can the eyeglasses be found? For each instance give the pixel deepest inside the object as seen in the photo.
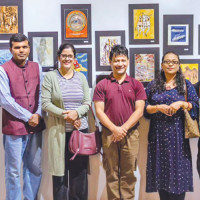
(70, 57)
(174, 62)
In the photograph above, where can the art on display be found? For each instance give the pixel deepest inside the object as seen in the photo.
(11, 18)
(76, 23)
(43, 49)
(83, 63)
(190, 69)
(143, 24)
(5, 54)
(178, 34)
(144, 64)
(105, 40)
(101, 77)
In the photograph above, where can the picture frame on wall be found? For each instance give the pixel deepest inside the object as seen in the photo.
(191, 69)
(5, 54)
(144, 64)
(76, 23)
(105, 40)
(11, 18)
(83, 63)
(143, 23)
(178, 34)
(44, 46)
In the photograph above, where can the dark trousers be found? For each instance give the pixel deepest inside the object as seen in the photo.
(164, 195)
(74, 184)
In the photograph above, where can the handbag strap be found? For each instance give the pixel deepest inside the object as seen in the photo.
(186, 93)
(90, 107)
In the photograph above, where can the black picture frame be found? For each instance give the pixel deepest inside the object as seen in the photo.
(144, 27)
(5, 54)
(190, 74)
(80, 10)
(102, 61)
(178, 34)
(15, 18)
(47, 57)
(87, 51)
(151, 51)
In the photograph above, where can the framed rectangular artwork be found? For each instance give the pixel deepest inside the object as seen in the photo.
(143, 23)
(83, 63)
(105, 40)
(178, 34)
(76, 23)
(5, 54)
(11, 18)
(144, 64)
(43, 49)
(191, 69)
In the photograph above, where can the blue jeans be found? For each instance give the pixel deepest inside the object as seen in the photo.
(17, 150)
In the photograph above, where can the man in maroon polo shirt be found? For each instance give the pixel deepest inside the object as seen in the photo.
(119, 102)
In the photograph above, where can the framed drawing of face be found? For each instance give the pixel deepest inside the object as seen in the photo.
(5, 54)
(76, 23)
(11, 18)
(43, 49)
(105, 40)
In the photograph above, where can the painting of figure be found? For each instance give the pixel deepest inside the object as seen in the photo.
(81, 63)
(190, 71)
(5, 56)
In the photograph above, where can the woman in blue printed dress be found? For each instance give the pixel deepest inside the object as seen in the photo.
(169, 165)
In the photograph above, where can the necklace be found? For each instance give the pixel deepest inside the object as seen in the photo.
(170, 85)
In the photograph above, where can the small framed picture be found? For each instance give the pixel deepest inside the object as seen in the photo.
(83, 63)
(144, 64)
(43, 49)
(178, 34)
(76, 23)
(105, 40)
(143, 23)
(190, 69)
(5, 54)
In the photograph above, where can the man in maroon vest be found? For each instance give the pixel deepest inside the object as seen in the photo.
(20, 88)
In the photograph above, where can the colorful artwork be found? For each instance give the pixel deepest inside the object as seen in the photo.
(5, 56)
(43, 51)
(144, 67)
(106, 44)
(8, 19)
(143, 23)
(178, 34)
(190, 71)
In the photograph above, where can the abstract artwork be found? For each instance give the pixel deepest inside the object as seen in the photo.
(5, 54)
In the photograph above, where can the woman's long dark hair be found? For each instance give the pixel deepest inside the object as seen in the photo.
(160, 80)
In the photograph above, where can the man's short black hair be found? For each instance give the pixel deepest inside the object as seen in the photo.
(18, 37)
(118, 50)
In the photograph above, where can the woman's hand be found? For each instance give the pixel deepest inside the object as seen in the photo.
(77, 123)
(174, 107)
(71, 115)
(163, 108)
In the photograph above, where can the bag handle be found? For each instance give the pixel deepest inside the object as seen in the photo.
(186, 93)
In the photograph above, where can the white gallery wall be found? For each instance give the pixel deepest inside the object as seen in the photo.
(45, 15)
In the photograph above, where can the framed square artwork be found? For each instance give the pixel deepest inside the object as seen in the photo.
(5, 54)
(178, 34)
(191, 69)
(105, 40)
(44, 46)
(144, 64)
(76, 23)
(143, 23)
(83, 63)
(11, 18)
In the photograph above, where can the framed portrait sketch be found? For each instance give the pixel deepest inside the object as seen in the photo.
(144, 64)
(191, 69)
(178, 34)
(83, 63)
(11, 18)
(143, 23)
(105, 40)
(76, 23)
(5, 54)
(43, 49)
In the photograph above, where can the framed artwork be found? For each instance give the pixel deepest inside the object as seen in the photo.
(5, 54)
(191, 69)
(11, 18)
(178, 34)
(76, 23)
(144, 64)
(143, 23)
(83, 63)
(105, 40)
(43, 49)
